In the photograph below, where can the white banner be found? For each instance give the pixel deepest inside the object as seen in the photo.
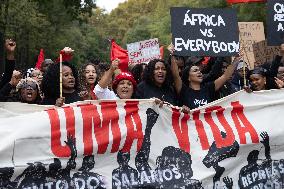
(236, 142)
(143, 51)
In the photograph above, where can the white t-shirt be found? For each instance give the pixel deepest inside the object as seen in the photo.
(104, 93)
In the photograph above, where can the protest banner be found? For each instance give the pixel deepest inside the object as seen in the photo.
(235, 142)
(204, 32)
(143, 51)
(264, 53)
(250, 33)
(275, 22)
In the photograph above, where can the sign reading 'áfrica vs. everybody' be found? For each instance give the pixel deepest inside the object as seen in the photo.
(143, 51)
(204, 32)
(233, 143)
(275, 22)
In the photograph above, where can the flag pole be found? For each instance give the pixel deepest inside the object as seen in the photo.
(242, 47)
(60, 75)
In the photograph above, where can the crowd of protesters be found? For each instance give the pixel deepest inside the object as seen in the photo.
(187, 82)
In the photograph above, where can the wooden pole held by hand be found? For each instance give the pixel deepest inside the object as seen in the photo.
(60, 75)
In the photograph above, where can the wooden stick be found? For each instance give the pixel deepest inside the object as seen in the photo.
(60, 75)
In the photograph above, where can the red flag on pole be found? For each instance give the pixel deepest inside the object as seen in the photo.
(118, 52)
(40, 59)
(162, 52)
(245, 1)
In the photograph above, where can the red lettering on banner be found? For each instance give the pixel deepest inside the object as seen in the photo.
(131, 108)
(238, 115)
(91, 119)
(221, 141)
(181, 130)
(201, 131)
(56, 146)
(110, 114)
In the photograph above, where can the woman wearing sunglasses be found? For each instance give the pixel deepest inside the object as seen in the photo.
(28, 91)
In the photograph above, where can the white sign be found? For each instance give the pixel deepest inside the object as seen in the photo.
(143, 51)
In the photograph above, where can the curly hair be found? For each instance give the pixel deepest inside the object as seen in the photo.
(83, 82)
(148, 74)
(50, 82)
(20, 86)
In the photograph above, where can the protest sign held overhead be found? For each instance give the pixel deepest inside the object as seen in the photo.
(264, 53)
(250, 33)
(204, 32)
(143, 51)
(275, 22)
(231, 143)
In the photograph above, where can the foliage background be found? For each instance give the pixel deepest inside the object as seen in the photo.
(54, 24)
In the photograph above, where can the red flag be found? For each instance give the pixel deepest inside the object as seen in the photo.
(66, 57)
(162, 52)
(118, 52)
(40, 59)
(244, 1)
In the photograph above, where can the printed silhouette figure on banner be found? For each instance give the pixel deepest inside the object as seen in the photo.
(173, 166)
(257, 174)
(124, 177)
(56, 172)
(85, 178)
(6, 174)
(216, 155)
(33, 176)
(36, 176)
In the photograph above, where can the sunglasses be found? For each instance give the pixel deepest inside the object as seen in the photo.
(29, 86)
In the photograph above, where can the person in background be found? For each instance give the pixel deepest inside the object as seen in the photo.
(180, 61)
(8, 91)
(277, 68)
(10, 47)
(36, 74)
(137, 72)
(45, 64)
(123, 85)
(51, 85)
(238, 76)
(88, 80)
(157, 83)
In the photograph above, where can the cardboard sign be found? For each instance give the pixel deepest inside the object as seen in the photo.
(250, 33)
(204, 32)
(264, 53)
(275, 22)
(143, 51)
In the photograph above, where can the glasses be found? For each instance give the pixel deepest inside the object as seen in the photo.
(29, 86)
(36, 75)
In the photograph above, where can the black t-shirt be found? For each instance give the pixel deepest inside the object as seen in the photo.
(69, 98)
(195, 98)
(146, 91)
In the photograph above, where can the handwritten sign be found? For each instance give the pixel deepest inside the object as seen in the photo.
(250, 33)
(264, 53)
(143, 51)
